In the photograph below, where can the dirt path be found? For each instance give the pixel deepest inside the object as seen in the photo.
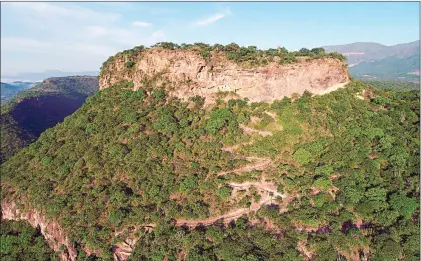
(232, 148)
(226, 218)
(269, 190)
(236, 213)
(266, 186)
(271, 114)
(260, 164)
(249, 130)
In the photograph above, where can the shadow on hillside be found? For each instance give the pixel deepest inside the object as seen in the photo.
(36, 114)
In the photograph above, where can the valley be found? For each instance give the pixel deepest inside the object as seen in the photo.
(31, 112)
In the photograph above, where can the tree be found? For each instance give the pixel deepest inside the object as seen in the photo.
(219, 118)
(282, 51)
(303, 52)
(129, 64)
(224, 192)
(318, 50)
(302, 156)
(404, 205)
(252, 48)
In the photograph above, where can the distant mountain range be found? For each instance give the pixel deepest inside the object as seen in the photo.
(38, 77)
(375, 61)
(8, 90)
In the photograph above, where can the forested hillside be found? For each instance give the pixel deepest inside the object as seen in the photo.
(393, 85)
(397, 69)
(32, 111)
(20, 241)
(145, 176)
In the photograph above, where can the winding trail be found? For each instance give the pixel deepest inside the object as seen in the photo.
(232, 148)
(266, 186)
(232, 215)
(260, 164)
(268, 191)
(249, 130)
(271, 114)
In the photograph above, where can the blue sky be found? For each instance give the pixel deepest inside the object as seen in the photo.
(79, 36)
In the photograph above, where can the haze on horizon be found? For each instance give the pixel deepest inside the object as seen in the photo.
(78, 37)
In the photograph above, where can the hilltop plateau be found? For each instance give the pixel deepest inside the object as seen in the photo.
(224, 153)
(201, 69)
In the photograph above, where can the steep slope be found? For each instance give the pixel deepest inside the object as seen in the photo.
(31, 112)
(141, 175)
(372, 60)
(204, 70)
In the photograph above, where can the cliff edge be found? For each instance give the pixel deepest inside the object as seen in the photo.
(190, 72)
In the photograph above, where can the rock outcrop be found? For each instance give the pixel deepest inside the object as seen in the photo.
(52, 231)
(56, 236)
(190, 74)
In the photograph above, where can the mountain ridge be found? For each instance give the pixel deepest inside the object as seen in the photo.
(40, 76)
(366, 60)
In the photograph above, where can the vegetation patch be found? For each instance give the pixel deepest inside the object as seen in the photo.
(349, 169)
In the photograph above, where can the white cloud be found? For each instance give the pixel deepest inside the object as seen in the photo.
(141, 24)
(213, 18)
(21, 44)
(66, 37)
(158, 36)
(63, 12)
(97, 31)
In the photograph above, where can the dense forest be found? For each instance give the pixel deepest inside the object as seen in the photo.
(21, 242)
(393, 85)
(32, 111)
(332, 177)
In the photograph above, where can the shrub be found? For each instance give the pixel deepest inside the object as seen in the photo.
(129, 64)
(224, 192)
(302, 156)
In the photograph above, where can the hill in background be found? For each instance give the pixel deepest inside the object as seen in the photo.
(32, 111)
(33, 77)
(399, 62)
(10, 89)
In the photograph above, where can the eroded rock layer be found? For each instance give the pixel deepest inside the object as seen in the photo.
(191, 74)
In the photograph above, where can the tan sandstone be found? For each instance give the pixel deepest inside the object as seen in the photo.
(191, 75)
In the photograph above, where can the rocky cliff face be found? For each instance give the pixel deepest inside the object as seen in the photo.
(56, 236)
(194, 75)
(50, 230)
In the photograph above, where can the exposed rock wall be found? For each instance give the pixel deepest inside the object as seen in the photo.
(56, 237)
(192, 75)
(50, 230)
